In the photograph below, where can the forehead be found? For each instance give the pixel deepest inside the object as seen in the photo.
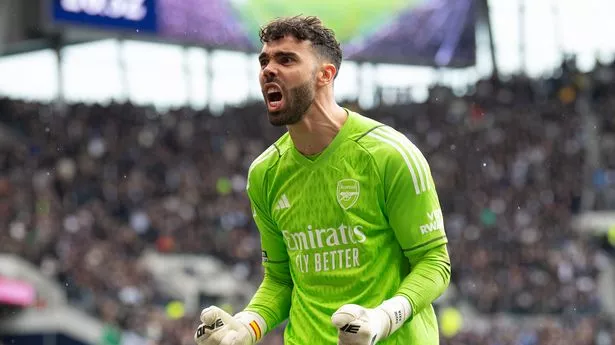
(287, 44)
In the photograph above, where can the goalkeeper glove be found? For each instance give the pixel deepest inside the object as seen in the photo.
(364, 326)
(220, 328)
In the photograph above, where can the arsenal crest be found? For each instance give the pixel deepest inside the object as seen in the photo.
(347, 193)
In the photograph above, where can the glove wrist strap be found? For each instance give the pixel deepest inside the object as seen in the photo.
(256, 325)
(398, 310)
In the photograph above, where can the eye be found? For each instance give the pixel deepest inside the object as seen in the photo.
(263, 63)
(284, 60)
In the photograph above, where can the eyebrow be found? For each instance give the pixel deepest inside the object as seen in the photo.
(278, 54)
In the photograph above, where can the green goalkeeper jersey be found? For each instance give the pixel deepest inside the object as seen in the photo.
(340, 227)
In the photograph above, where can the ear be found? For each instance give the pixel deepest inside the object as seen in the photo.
(326, 75)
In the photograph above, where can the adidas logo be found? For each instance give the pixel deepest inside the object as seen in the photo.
(282, 203)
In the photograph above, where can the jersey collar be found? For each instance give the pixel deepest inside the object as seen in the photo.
(337, 140)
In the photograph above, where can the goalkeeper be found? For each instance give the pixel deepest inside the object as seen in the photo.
(352, 235)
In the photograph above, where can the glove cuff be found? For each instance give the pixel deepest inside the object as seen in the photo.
(255, 324)
(398, 310)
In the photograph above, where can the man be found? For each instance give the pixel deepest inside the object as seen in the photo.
(352, 236)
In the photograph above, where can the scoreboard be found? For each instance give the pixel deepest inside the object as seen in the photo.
(137, 15)
(419, 32)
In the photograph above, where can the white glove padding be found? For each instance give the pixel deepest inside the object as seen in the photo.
(364, 326)
(360, 326)
(220, 328)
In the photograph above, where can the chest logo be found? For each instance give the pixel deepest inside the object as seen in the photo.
(347, 193)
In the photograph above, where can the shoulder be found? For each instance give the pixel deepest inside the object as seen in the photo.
(397, 158)
(268, 159)
(384, 142)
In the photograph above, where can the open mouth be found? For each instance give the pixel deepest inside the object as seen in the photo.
(274, 98)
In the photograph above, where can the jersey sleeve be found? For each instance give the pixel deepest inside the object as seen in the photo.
(411, 199)
(414, 214)
(272, 299)
(272, 242)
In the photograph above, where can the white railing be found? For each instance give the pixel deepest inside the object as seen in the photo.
(47, 289)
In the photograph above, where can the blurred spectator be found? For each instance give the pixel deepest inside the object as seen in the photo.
(93, 186)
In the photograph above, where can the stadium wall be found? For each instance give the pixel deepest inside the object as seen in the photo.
(60, 326)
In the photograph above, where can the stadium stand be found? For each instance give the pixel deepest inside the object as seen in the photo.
(87, 191)
(603, 98)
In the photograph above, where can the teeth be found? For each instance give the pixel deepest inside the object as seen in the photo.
(271, 90)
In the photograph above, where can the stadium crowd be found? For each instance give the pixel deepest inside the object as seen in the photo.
(605, 103)
(87, 188)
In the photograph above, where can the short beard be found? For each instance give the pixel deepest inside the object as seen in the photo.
(298, 101)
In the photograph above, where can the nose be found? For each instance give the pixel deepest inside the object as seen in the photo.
(269, 73)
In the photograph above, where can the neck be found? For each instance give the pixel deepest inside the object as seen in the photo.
(318, 127)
